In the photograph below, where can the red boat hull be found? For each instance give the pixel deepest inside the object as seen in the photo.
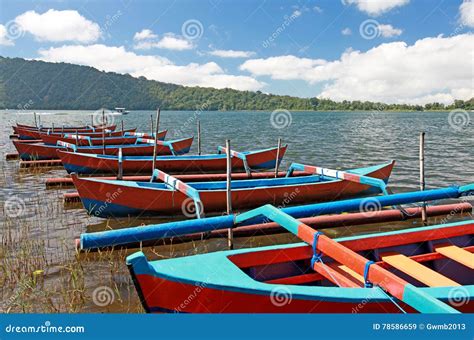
(137, 200)
(75, 162)
(36, 151)
(119, 140)
(27, 132)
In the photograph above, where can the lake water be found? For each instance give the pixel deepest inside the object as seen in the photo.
(330, 139)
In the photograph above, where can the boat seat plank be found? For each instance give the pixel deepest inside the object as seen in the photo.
(337, 276)
(418, 271)
(457, 254)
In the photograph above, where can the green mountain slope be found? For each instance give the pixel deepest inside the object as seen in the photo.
(36, 84)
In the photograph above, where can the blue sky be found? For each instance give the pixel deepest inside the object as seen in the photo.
(300, 48)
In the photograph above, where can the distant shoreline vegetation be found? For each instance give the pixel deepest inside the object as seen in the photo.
(29, 85)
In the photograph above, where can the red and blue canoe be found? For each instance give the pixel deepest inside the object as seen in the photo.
(159, 199)
(32, 132)
(25, 133)
(82, 163)
(437, 260)
(37, 151)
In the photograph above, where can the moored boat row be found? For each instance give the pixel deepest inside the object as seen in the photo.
(406, 270)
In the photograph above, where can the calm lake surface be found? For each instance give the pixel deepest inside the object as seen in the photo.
(339, 140)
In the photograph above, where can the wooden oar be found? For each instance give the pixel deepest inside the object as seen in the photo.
(371, 272)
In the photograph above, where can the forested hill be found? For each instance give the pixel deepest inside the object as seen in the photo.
(42, 85)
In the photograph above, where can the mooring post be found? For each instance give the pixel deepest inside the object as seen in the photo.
(77, 137)
(151, 125)
(230, 231)
(52, 127)
(123, 133)
(277, 163)
(39, 120)
(103, 131)
(62, 130)
(120, 166)
(92, 120)
(422, 175)
(199, 136)
(156, 141)
(34, 115)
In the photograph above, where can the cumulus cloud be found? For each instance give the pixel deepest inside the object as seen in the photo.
(57, 26)
(144, 34)
(466, 11)
(232, 54)
(146, 39)
(432, 69)
(346, 31)
(376, 7)
(118, 59)
(388, 31)
(4, 38)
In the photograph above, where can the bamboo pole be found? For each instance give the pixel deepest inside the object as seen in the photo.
(277, 163)
(77, 138)
(39, 120)
(156, 139)
(92, 120)
(34, 115)
(230, 232)
(103, 131)
(52, 126)
(422, 176)
(199, 136)
(62, 130)
(122, 128)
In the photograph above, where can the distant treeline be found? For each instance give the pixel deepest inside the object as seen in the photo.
(26, 84)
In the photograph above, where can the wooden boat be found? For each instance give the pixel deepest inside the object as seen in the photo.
(82, 140)
(367, 205)
(166, 199)
(425, 269)
(38, 151)
(81, 163)
(33, 132)
(25, 133)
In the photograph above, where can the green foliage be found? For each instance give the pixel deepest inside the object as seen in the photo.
(37, 84)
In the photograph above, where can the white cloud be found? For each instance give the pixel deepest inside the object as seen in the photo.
(388, 31)
(118, 59)
(346, 31)
(232, 54)
(317, 9)
(146, 40)
(56, 26)
(432, 69)
(296, 13)
(376, 7)
(4, 38)
(466, 11)
(144, 34)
